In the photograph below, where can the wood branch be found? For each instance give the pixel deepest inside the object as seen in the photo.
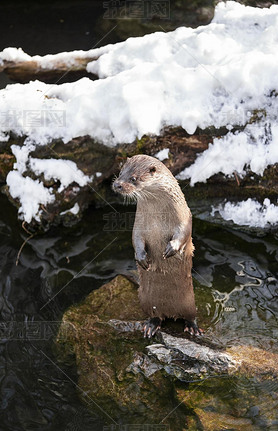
(56, 69)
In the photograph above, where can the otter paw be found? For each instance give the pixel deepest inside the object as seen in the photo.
(170, 250)
(143, 263)
(142, 260)
(151, 327)
(193, 329)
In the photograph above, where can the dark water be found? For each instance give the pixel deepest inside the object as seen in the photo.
(50, 27)
(236, 288)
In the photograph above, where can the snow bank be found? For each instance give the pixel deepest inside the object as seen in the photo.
(213, 75)
(249, 212)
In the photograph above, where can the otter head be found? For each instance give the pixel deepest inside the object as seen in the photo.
(138, 176)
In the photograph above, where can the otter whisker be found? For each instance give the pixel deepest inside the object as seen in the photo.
(135, 195)
(145, 194)
(114, 179)
(140, 196)
(150, 194)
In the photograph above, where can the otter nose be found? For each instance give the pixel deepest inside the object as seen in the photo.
(117, 186)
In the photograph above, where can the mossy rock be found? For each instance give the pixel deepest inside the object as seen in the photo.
(111, 363)
(178, 384)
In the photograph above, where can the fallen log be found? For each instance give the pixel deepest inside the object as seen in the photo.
(48, 68)
(100, 162)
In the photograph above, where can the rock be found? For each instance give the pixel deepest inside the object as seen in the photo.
(122, 382)
(100, 163)
(206, 360)
(137, 380)
(89, 156)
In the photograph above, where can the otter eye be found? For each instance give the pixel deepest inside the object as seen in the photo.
(152, 169)
(133, 179)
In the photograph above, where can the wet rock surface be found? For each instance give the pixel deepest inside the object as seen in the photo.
(113, 370)
(138, 379)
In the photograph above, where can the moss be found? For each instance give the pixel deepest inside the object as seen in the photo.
(6, 165)
(141, 143)
(257, 116)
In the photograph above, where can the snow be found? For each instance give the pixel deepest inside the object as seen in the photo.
(64, 171)
(74, 210)
(233, 152)
(14, 54)
(249, 212)
(49, 61)
(217, 75)
(162, 154)
(22, 155)
(32, 193)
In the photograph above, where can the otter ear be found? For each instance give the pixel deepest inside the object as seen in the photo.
(152, 169)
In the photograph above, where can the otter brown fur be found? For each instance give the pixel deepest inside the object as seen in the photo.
(162, 241)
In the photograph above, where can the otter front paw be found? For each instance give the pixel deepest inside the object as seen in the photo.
(171, 249)
(151, 327)
(142, 259)
(193, 328)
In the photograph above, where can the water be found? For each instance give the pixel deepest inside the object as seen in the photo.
(241, 270)
(48, 27)
(235, 275)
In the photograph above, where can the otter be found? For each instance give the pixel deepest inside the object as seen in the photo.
(162, 242)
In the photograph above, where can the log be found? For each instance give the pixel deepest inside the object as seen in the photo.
(54, 69)
(92, 157)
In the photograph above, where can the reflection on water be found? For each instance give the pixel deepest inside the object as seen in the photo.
(241, 272)
(236, 289)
